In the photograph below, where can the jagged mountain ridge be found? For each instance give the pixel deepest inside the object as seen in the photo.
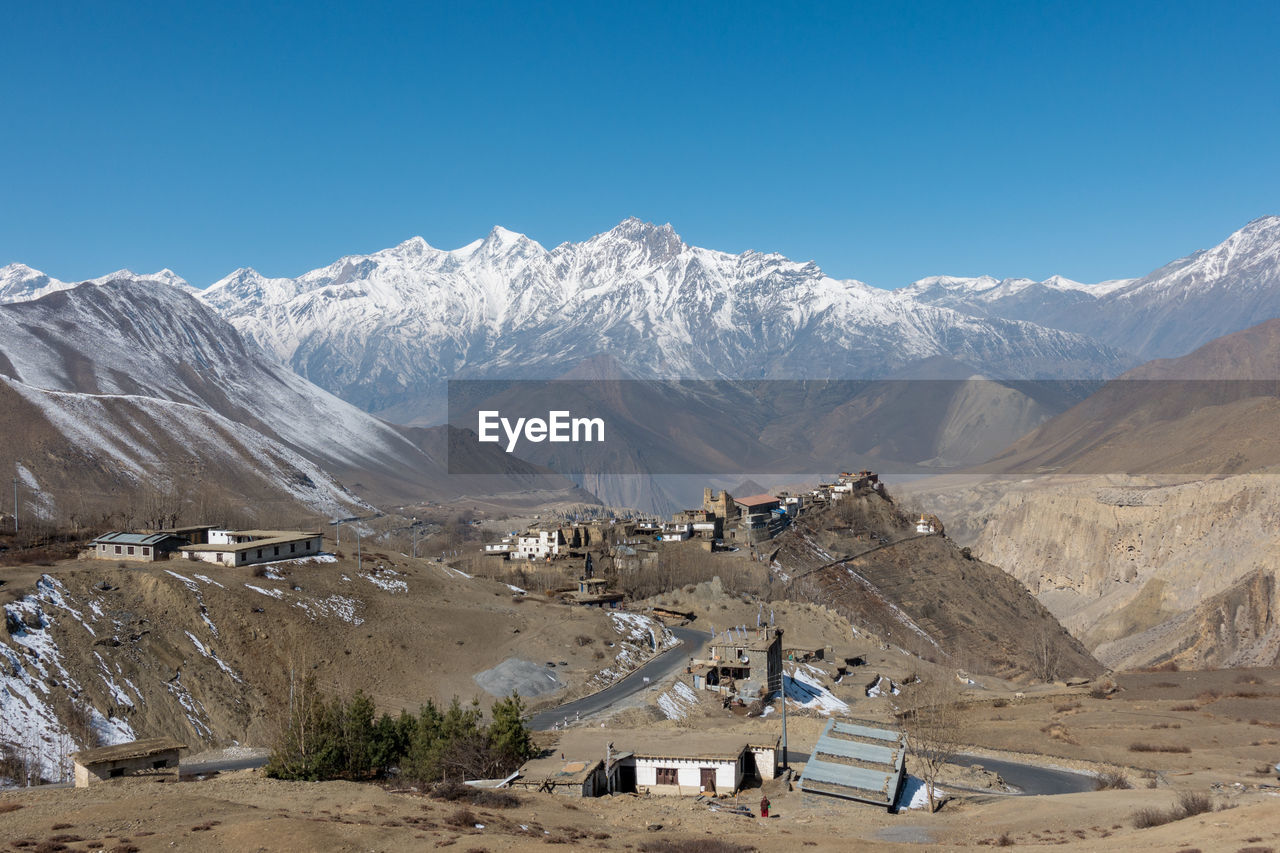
(386, 330)
(20, 283)
(1165, 314)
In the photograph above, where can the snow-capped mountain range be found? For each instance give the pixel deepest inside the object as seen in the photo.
(1168, 313)
(386, 330)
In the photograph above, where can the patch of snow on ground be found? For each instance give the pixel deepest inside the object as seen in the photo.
(883, 687)
(804, 688)
(386, 579)
(915, 794)
(318, 558)
(209, 581)
(677, 702)
(270, 593)
(515, 589)
(191, 585)
(642, 638)
(192, 706)
(335, 605)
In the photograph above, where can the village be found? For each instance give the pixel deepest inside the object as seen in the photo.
(742, 666)
(722, 703)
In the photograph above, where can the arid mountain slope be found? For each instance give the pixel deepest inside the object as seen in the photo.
(1173, 515)
(1212, 412)
(206, 653)
(923, 593)
(145, 389)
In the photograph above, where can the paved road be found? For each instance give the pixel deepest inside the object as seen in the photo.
(655, 670)
(1030, 778)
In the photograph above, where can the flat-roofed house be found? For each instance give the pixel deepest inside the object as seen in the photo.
(246, 547)
(138, 547)
(151, 756)
(662, 762)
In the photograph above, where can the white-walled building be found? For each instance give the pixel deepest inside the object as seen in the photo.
(538, 545)
(672, 763)
(246, 547)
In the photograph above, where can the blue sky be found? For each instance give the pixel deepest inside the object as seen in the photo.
(886, 141)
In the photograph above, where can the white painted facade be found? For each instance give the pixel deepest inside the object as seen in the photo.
(688, 773)
(538, 546)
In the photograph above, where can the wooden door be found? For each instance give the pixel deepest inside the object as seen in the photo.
(708, 779)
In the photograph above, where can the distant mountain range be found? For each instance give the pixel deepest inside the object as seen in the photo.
(386, 331)
(130, 387)
(1164, 314)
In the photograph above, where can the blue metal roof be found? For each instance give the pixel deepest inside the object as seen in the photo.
(857, 762)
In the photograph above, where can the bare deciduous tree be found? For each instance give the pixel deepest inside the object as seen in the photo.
(930, 714)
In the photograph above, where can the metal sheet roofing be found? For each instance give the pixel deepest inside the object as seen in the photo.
(857, 762)
(119, 538)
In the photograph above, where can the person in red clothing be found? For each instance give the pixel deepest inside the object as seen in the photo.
(764, 807)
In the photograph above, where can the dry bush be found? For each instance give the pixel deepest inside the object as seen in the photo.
(1189, 804)
(694, 845)
(463, 817)
(1153, 747)
(1112, 780)
(1168, 685)
(1186, 708)
(1193, 803)
(1000, 703)
(1062, 709)
(1149, 817)
(5, 808)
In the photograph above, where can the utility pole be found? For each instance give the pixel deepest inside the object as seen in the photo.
(15, 506)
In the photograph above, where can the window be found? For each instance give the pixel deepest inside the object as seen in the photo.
(160, 765)
(217, 558)
(130, 550)
(292, 547)
(259, 553)
(117, 549)
(668, 776)
(146, 552)
(117, 772)
(277, 551)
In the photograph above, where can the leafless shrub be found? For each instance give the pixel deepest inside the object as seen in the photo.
(694, 845)
(1152, 747)
(463, 817)
(1149, 817)
(1112, 780)
(1193, 803)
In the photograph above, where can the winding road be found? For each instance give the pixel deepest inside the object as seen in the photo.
(1031, 779)
(660, 667)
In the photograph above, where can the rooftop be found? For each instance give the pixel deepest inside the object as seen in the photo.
(756, 500)
(249, 546)
(125, 751)
(555, 769)
(856, 761)
(587, 744)
(119, 538)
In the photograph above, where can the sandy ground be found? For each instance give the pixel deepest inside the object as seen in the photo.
(243, 811)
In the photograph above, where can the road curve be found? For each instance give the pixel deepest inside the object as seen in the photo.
(660, 667)
(1031, 779)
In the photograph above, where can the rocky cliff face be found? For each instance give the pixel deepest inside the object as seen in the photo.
(1138, 570)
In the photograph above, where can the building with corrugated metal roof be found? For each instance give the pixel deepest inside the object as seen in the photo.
(136, 547)
(857, 761)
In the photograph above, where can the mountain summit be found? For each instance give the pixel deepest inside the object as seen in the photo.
(386, 330)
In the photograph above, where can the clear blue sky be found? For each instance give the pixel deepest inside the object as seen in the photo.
(886, 141)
